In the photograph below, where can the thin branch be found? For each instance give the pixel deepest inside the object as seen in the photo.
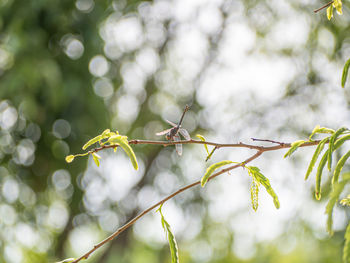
(264, 140)
(260, 151)
(132, 221)
(323, 7)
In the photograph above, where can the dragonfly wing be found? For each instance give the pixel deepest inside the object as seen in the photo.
(163, 132)
(178, 146)
(185, 134)
(171, 123)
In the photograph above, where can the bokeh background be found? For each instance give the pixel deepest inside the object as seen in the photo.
(249, 68)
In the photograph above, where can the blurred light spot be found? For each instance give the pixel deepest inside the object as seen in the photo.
(10, 190)
(33, 132)
(103, 87)
(26, 235)
(282, 34)
(6, 59)
(148, 59)
(151, 128)
(112, 51)
(8, 215)
(98, 66)
(83, 238)
(85, 6)
(27, 196)
(209, 19)
(155, 34)
(60, 149)
(61, 179)
(57, 216)
(21, 123)
(144, 230)
(109, 221)
(244, 248)
(146, 196)
(61, 128)
(326, 40)
(166, 182)
(44, 243)
(6, 140)
(125, 33)
(128, 108)
(73, 47)
(133, 78)
(13, 254)
(201, 251)
(24, 153)
(81, 219)
(8, 117)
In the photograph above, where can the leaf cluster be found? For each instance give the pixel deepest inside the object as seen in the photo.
(107, 139)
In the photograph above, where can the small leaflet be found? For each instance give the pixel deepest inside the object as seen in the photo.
(254, 194)
(96, 158)
(345, 201)
(345, 73)
(171, 238)
(319, 129)
(261, 179)
(340, 166)
(338, 6)
(331, 145)
(123, 142)
(346, 249)
(320, 167)
(211, 169)
(70, 158)
(330, 12)
(201, 137)
(317, 152)
(294, 146)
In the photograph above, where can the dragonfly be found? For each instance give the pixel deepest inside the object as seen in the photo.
(172, 134)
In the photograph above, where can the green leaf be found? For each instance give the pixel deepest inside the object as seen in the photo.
(317, 152)
(254, 194)
(321, 165)
(338, 6)
(294, 146)
(346, 201)
(319, 129)
(345, 73)
(346, 249)
(96, 158)
(201, 137)
(123, 142)
(260, 178)
(211, 169)
(339, 166)
(330, 12)
(331, 145)
(92, 141)
(104, 135)
(70, 158)
(334, 196)
(171, 238)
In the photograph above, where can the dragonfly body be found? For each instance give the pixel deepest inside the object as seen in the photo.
(172, 134)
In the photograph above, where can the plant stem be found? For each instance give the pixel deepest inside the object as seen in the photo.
(323, 7)
(260, 151)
